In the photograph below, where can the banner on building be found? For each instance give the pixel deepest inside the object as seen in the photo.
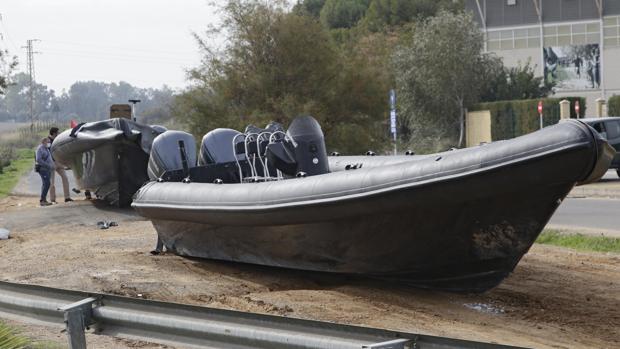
(575, 67)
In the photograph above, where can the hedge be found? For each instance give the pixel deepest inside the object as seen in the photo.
(514, 118)
(613, 106)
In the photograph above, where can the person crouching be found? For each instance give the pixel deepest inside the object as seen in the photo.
(44, 165)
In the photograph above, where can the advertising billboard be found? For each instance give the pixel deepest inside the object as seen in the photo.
(575, 67)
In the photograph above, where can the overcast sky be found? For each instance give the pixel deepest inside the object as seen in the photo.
(147, 43)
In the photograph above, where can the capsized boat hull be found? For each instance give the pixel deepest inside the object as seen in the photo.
(458, 221)
(108, 157)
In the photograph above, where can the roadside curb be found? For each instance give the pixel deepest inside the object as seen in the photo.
(585, 191)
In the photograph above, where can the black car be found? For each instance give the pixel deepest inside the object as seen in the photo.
(609, 128)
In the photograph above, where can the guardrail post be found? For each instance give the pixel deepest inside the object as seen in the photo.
(74, 318)
(78, 316)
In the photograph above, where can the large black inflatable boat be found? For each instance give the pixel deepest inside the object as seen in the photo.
(458, 220)
(108, 157)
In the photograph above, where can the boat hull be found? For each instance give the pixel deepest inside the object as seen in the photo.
(432, 239)
(459, 230)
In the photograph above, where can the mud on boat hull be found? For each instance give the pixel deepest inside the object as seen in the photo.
(460, 230)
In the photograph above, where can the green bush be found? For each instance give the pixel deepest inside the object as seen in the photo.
(613, 106)
(514, 118)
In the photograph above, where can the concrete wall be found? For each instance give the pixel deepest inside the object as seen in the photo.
(611, 73)
(513, 58)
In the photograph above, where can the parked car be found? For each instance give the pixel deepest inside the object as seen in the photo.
(610, 129)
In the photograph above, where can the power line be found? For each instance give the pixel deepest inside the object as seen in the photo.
(124, 48)
(6, 34)
(113, 57)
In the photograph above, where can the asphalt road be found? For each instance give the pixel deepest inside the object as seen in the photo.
(594, 216)
(591, 215)
(30, 185)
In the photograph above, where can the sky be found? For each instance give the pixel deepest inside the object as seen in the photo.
(147, 43)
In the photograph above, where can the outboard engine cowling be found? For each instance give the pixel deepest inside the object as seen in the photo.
(217, 147)
(171, 150)
(310, 151)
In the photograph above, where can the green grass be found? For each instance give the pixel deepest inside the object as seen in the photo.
(10, 175)
(10, 339)
(580, 242)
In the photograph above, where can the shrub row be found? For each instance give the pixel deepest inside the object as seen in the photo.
(6, 155)
(613, 106)
(514, 118)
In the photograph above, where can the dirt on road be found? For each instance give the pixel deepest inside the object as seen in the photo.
(556, 298)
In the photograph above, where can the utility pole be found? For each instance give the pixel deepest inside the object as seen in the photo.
(30, 57)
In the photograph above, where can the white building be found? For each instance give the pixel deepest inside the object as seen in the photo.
(575, 43)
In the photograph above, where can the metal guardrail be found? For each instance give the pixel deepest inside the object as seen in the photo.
(198, 327)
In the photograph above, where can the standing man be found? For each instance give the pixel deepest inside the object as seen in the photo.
(61, 172)
(44, 165)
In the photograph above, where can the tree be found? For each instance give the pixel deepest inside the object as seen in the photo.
(440, 70)
(7, 64)
(342, 13)
(382, 14)
(519, 82)
(16, 101)
(279, 65)
(310, 8)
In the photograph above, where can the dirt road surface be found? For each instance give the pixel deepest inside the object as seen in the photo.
(556, 298)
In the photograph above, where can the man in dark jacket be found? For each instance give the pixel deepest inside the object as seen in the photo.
(44, 165)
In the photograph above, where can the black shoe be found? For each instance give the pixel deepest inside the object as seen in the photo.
(75, 190)
(44, 203)
(68, 199)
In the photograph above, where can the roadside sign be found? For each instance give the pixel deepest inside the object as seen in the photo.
(393, 122)
(540, 113)
(577, 108)
(393, 118)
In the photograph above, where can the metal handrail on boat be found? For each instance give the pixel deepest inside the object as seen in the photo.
(260, 158)
(234, 149)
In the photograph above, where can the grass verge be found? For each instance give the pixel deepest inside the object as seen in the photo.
(579, 241)
(10, 175)
(10, 338)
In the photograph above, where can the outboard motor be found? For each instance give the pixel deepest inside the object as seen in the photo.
(309, 143)
(217, 147)
(172, 150)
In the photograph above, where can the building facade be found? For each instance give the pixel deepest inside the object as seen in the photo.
(574, 43)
